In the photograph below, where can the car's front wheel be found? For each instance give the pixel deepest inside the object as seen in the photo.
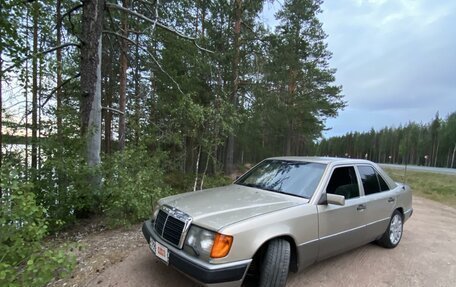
(393, 233)
(275, 264)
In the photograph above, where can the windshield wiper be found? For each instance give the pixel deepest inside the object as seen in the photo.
(283, 192)
(271, 189)
(250, 185)
(259, 186)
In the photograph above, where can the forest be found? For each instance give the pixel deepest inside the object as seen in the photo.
(108, 105)
(429, 144)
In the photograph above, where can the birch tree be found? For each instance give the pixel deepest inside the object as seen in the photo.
(91, 47)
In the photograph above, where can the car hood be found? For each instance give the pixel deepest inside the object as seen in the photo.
(218, 207)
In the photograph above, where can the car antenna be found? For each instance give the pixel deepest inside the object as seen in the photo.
(405, 174)
(405, 170)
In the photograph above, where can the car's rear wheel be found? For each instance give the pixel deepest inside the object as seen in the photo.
(275, 264)
(393, 233)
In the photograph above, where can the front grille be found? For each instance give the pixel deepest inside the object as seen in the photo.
(169, 227)
(173, 230)
(160, 221)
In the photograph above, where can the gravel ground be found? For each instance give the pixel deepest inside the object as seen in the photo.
(426, 256)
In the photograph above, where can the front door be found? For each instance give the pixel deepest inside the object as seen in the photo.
(341, 227)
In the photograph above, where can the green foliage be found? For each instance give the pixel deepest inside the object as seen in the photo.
(11, 45)
(180, 182)
(216, 181)
(62, 186)
(133, 182)
(24, 261)
(181, 99)
(431, 144)
(297, 91)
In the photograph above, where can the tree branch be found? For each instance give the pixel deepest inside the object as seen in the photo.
(253, 32)
(38, 54)
(161, 25)
(112, 110)
(147, 2)
(120, 36)
(58, 88)
(150, 54)
(247, 26)
(146, 5)
(68, 13)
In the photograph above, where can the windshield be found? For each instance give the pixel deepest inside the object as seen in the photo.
(284, 176)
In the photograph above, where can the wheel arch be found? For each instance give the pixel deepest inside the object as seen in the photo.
(401, 210)
(293, 248)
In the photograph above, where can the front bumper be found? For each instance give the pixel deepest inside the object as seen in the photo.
(226, 274)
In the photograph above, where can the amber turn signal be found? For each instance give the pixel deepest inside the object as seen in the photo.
(222, 245)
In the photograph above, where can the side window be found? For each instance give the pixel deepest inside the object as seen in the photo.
(343, 182)
(383, 185)
(372, 181)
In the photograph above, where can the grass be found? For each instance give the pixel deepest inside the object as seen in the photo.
(438, 187)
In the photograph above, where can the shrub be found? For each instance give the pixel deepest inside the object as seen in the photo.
(61, 184)
(216, 181)
(24, 261)
(133, 182)
(181, 182)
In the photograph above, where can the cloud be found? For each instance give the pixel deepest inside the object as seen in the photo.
(396, 60)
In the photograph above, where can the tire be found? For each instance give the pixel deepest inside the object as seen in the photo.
(393, 233)
(275, 264)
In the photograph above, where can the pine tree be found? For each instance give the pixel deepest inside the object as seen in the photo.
(299, 80)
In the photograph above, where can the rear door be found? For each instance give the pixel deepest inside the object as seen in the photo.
(341, 227)
(380, 201)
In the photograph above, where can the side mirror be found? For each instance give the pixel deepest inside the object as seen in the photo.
(335, 199)
(329, 198)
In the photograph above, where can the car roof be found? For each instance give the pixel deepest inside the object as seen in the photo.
(323, 160)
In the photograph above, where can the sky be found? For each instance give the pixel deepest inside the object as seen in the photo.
(396, 60)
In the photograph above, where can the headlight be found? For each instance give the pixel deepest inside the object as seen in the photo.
(199, 241)
(207, 244)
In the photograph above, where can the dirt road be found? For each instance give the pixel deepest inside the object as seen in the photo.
(426, 256)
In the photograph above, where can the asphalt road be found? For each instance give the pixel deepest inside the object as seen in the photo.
(426, 256)
(451, 171)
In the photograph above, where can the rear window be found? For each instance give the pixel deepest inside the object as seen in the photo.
(372, 181)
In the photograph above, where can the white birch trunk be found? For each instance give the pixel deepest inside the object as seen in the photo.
(196, 168)
(94, 136)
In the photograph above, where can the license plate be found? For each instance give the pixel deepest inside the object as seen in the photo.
(159, 250)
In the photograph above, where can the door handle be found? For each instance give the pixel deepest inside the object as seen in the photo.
(390, 199)
(361, 207)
